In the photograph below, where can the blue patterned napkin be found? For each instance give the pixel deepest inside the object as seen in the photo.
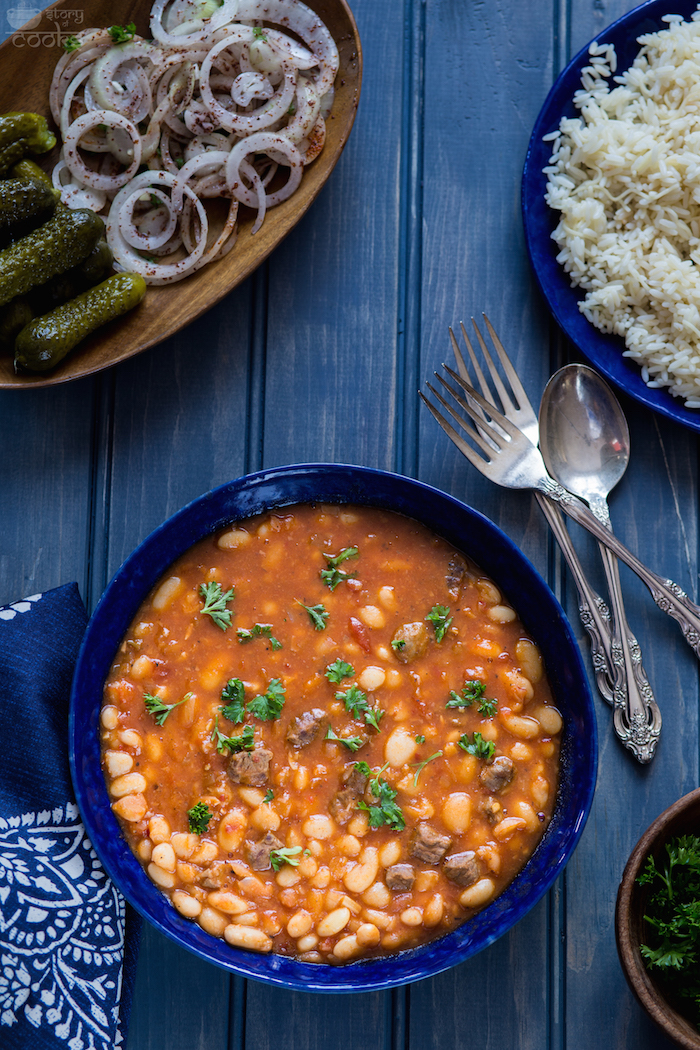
(68, 942)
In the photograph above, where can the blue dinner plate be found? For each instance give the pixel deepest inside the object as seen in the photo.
(603, 351)
(496, 555)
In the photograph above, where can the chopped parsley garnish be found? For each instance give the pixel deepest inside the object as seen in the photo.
(352, 743)
(487, 708)
(122, 34)
(339, 670)
(473, 690)
(672, 913)
(71, 43)
(269, 796)
(159, 710)
(385, 810)
(317, 613)
(215, 601)
(233, 695)
(334, 560)
(256, 631)
(332, 575)
(356, 703)
(198, 818)
(244, 742)
(269, 705)
(285, 855)
(259, 34)
(477, 745)
(363, 768)
(423, 764)
(398, 644)
(420, 739)
(440, 618)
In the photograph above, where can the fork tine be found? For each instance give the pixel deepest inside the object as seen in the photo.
(478, 436)
(506, 401)
(513, 378)
(510, 430)
(459, 357)
(463, 370)
(466, 450)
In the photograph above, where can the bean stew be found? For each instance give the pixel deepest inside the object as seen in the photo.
(327, 734)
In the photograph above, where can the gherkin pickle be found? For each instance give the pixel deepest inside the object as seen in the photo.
(78, 279)
(46, 340)
(29, 169)
(22, 133)
(24, 203)
(64, 241)
(13, 318)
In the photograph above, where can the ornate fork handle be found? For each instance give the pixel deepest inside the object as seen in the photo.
(669, 597)
(593, 611)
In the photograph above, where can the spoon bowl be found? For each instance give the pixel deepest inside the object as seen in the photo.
(583, 432)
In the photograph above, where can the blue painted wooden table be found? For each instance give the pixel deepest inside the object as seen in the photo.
(318, 357)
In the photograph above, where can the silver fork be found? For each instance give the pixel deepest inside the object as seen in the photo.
(637, 719)
(509, 458)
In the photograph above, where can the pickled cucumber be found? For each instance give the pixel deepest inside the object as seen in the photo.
(22, 133)
(29, 169)
(46, 340)
(78, 279)
(64, 241)
(13, 318)
(24, 203)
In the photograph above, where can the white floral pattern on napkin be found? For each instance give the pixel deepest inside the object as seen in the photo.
(56, 905)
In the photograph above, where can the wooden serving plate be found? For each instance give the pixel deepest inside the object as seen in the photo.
(27, 62)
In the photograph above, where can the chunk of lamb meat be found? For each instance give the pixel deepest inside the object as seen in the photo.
(250, 768)
(499, 774)
(344, 802)
(400, 877)
(429, 845)
(304, 729)
(410, 641)
(492, 810)
(455, 574)
(259, 852)
(462, 868)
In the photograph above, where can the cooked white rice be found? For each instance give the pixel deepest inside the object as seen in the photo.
(625, 176)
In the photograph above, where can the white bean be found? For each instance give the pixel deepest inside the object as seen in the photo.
(247, 937)
(476, 895)
(400, 747)
(186, 904)
(128, 784)
(318, 826)
(166, 594)
(361, 876)
(118, 762)
(164, 856)
(334, 922)
(457, 812)
(372, 678)
(130, 807)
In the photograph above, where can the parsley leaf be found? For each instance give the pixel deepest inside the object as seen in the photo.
(317, 613)
(385, 810)
(356, 703)
(473, 690)
(71, 43)
(215, 601)
(420, 739)
(363, 768)
(159, 710)
(269, 705)
(198, 818)
(339, 670)
(285, 855)
(332, 577)
(423, 764)
(477, 745)
(397, 644)
(487, 708)
(269, 796)
(233, 695)
(353, 743)
(440, 618)
(244, 742)
(256, 631)
(672, 915)
(122, 34)
(259, 34)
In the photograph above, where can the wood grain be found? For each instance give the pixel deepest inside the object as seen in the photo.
(27, 61)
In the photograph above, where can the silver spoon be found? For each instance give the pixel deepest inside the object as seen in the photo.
(584, 439)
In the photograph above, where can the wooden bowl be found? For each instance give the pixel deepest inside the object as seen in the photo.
(27, 61)
(682, 818)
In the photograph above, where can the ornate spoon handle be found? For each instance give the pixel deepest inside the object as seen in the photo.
(669, 597)
(593, 611)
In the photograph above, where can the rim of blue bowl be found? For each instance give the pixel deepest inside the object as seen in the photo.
(603, 351)
(468, 530)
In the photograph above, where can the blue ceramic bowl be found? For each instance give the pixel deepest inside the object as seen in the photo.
(603, 351)
(465, 529)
